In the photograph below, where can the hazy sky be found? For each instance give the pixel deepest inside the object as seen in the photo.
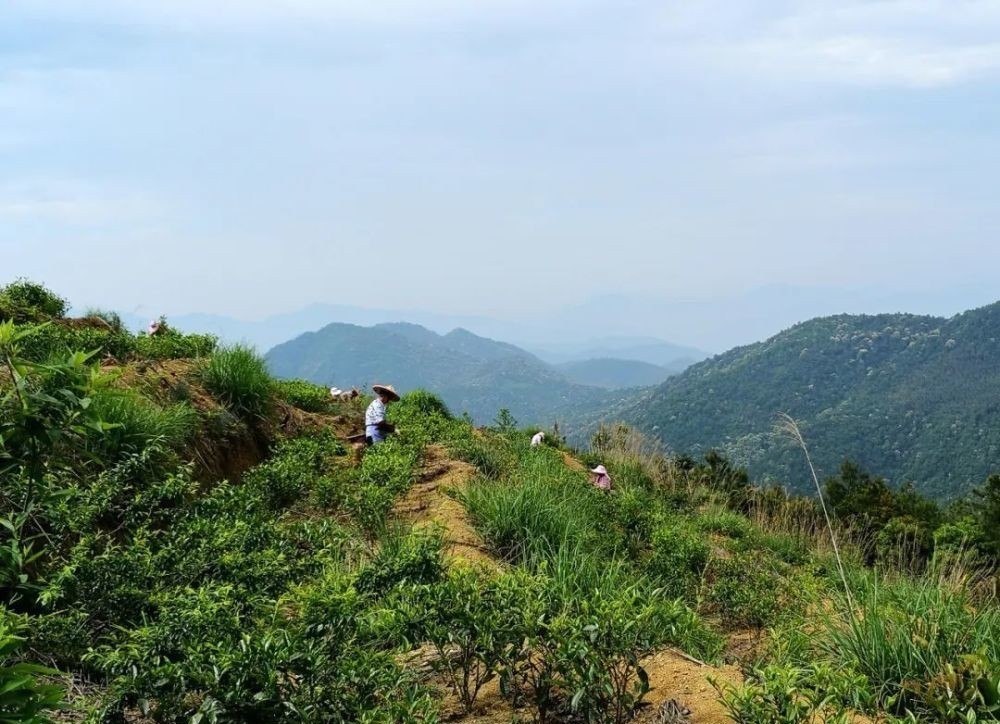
(495, 156)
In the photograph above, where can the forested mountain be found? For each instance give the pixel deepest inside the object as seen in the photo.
(472, 373)
(912, 398)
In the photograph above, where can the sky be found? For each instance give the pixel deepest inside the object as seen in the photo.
(498, 157)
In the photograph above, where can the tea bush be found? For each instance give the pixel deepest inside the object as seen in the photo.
(677, 559)
(747, 591)
(791, 695)
(304, 395)
(25, 696)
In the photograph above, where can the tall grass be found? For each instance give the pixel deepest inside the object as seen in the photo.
(536, 514)
(238, 377)
(906, 631)
(136, 422)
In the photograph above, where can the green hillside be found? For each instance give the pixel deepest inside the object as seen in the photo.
(471, 373)
(184, 539)
(912, 398)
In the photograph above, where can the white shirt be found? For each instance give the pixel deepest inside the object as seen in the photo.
(374, 414)
(537, 439)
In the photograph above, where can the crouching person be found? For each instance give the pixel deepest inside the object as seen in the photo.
(376, 426)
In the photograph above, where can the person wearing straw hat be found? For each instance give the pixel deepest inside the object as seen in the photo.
(376, 426)
(600, 478)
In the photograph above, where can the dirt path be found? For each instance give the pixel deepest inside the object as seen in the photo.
(671, 676)
(428, 504)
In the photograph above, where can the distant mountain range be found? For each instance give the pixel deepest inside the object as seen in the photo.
(615, 374)
(471, 373)
(912, 398)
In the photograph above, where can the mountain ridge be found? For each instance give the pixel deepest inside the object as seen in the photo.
(908, 396)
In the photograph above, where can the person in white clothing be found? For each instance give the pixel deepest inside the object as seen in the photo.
(376, 426)
(538, 439)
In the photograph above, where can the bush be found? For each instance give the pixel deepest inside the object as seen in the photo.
(238, 377)
(304, 395)
(26, 301)
(725, 522)
(473, 622)
(174, 345)
(677, 560)
(791, 695)
(24, 697)
(403, 558)
(490, 458)
(747, 591)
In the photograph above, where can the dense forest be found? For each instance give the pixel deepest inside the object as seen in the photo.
(913, 398)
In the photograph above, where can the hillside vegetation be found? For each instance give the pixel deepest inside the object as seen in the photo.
(449, 574)
(472, 374)
(912, 398)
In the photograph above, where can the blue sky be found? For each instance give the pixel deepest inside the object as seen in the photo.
(248, 157)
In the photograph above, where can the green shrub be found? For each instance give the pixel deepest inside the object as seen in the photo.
(24, 696)
(489, 457)
(725, 522)
(26, 301)
(538, 512)
(174, 345)
(677, 559)
(294, 467)
(238, 377)
(747, 591)
(473, 621)
(403, 558)
(304, 395)
(904, 544)
(791, 695)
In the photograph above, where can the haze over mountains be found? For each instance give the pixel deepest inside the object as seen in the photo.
(611, 325)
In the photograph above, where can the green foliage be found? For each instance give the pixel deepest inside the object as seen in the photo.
(26, 301)
(791, 695)
(537, 512)
(504, 423)
(134, 422)
(403, 558)
(172, 344)
(906, 633)
(303, 395)
(46, 413)
(238, 377)
(725, 522)
(747, 591)
(678, 558)
(475, 622)
(24, 697)
(491, 458)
